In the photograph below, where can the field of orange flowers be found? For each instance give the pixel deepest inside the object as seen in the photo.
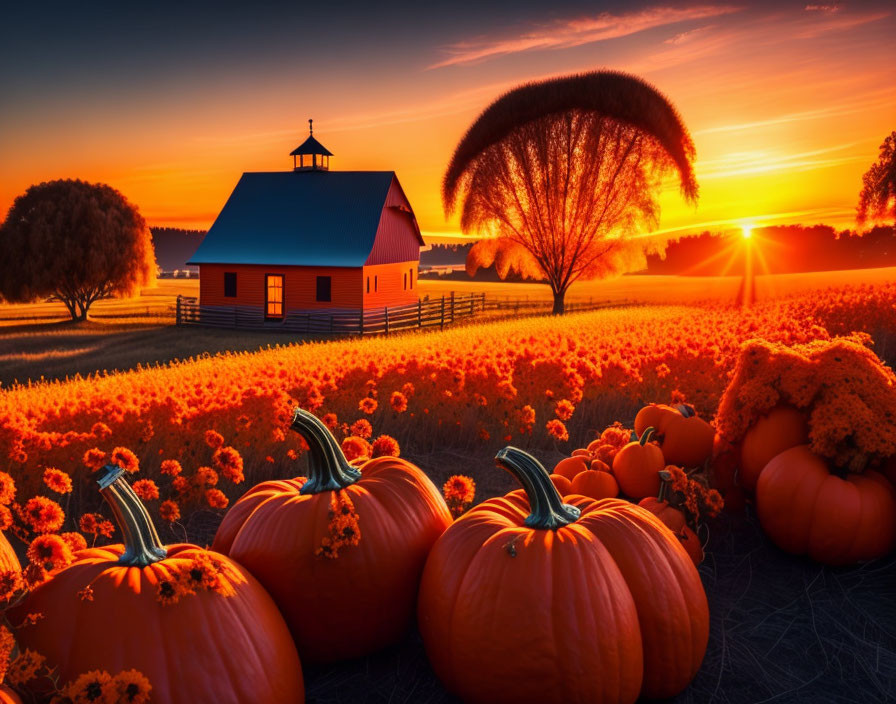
(194, 432)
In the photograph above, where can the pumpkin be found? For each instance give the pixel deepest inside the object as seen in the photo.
(526, 599)
(9, 562)
(637, 467)
(563, 485)
(691, 544)
(227, 644)
(654, 415)
(659, 506)
(595, 484)
(571, 466)
(723, 472)
(341, 553)
(807, 510)
(782, 428)
(8, 696)
(687, 438)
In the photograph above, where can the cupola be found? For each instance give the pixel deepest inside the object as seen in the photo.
(311, 155)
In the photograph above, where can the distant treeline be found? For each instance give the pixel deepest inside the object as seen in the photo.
(174, 247)
(445, 254)
(780, 249)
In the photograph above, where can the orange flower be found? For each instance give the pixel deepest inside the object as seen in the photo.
(7, 644)
(398, 401)
(367, 405)
(146, 489)
(57, 480)
(206, 476)
(557, 430)
(213, 439)
(459, 492)
(50, 552)
(362, 429)
(24, 668)
(171, 467)
(91, 687)
(564, 410)
(343, 527)
(7, 489)
(94, 458)
(10, 584)
(355, 447)
(86, 594)
(95, 524)
(169, 511)
(216, 498)
(181, 484)
(330, 420)
(124, 458)
(168, 592)
(131, 687)
(43, 515)
(6, 518)
(385, 446)
(100, 431)
(229, 463)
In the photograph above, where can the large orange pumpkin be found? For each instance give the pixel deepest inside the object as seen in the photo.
(228, 644)
(526, 599)
(346, 602)
(782, 428)
(806, 510)
(637, 467)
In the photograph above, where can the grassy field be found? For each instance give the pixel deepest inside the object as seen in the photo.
(39, 340)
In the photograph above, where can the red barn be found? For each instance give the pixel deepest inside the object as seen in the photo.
(310, 239)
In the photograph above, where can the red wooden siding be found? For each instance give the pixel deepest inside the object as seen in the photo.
(396, 237)
(387, 284)
(299, 286)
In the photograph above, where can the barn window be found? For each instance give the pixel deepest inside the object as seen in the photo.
(324, 286)
(274, 296)
(412, 278)
(375, 287)
(368, 284)
(405, 281)
(230, 284)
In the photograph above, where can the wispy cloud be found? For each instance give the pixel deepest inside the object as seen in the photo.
(576, 32)
(833, 20)
(758, 162)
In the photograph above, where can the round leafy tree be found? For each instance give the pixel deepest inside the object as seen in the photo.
(75, 241)
(877, 199)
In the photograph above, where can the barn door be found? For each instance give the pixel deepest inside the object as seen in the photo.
(273, 297)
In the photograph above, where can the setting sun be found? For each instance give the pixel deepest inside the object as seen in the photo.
(747, 231)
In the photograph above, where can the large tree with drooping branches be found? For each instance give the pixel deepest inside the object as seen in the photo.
(75, 241)
(877, 199)
(562, 175)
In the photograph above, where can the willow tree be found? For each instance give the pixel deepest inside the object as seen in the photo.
(561, 175)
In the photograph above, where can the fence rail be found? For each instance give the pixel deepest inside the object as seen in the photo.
(426, 313)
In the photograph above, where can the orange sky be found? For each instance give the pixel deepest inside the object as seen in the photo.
(787, 105)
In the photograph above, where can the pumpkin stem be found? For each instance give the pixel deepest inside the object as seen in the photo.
(142, 545)
(686, 410)
(328, 470)
(548, 510)
(646, 435)
(665, 481)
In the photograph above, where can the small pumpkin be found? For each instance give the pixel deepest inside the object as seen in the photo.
(569, 467)
(595, 484)
(687, 438)
(691, 543)
(637, 467)
(654, 415)
(782, 428)
(350, 542)
(529, 599)
(227, 644)
(807, 510)
(659, 506)
(562, 484)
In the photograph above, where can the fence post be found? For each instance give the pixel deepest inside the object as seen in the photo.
(419, 313)
(387, 319)
(177, 314)
(452, 306)
(443, 313)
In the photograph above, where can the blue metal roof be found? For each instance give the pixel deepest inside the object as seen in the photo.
(298, 218)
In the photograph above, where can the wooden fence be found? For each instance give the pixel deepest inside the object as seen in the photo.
(426, 313)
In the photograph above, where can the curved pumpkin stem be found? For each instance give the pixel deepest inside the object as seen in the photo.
(686, 410)
(142, 545)
(646, 435)
(548, 510)
(328, 469)
(665, 480)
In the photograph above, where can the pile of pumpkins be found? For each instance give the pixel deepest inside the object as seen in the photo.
(528, 597)
(804, 505)
(663, 435)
